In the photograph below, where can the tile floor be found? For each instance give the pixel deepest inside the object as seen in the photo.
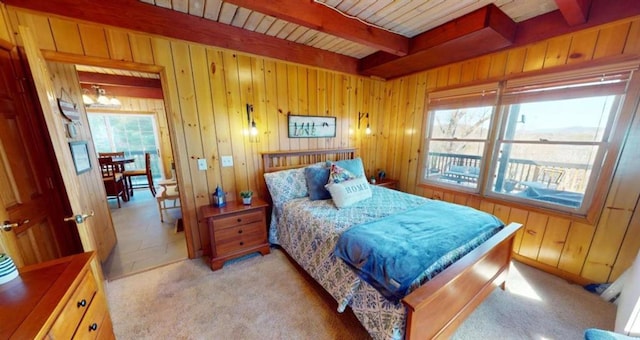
(143, 241)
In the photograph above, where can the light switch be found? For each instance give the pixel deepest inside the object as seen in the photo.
(202, 164)
(227, 161)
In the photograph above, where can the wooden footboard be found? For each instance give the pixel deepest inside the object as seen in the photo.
(439, 306)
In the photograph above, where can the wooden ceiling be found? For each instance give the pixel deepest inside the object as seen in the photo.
(383, 38)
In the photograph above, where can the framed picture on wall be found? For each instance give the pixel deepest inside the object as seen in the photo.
(80, 155)
(311, 126)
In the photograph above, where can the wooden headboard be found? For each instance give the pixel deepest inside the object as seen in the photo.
(282, 160)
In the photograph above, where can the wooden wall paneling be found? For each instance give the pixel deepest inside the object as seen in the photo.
(215, 61)
(237, 117)
(361, 105)
(438, 195)
(415, 133)
(443, 77)
(119, 45)
(535, 56)
(498, 64)
(474, 202)
(554, 240)
(515, 60)
(460, 199)
(502, 212)
(629, 248)
(343, 96)
(582, 46)
(330, 142)
(483, 65)
(206, 124)
(260, 101)
(141, 50)
(520, 216)
(449, 197)
(164, 58)
(378, 125)
(382, 134)
(166, 149)
(468, 71)
(487, 206)
(405, 123)
(631, 45)
(302, 99)
(611, 40)
(322, 98)
(533, 234)
(398, 90)
(312, 101)
(283, 105)
(247, 96)
(66, 36)
(39, 26)
(94, 41)
(271, 128)
(557, 51)
(455, 74)
(292, 100)
(576, 247)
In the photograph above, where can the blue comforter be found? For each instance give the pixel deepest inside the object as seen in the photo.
(399, 252)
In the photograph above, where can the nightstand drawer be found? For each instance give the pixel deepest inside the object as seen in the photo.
(76, 307)
(92, 323)
(237, 219)
(241, 237)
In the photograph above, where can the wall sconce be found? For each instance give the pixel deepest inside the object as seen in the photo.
(253, 129)
(101, 99)
(363, 115)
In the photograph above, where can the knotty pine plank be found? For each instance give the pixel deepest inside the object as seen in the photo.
(520, 216)
(218, 93)
(302, 100)
(611, 40)
(271, 129)
(502, 212)
(554, 240)
(392, 132)
(443, 77)
(515, 60)
(498, 64)
(39, 24)
(141, 50)
(94, 41)
(455, 73)
(557, 51)
(583, 44)
(629, 249)
(487, 206)
(415, 133)
(631, 45)
(576, 247)
(119, 45)
(312, 101)
(535, 228)
(260, 99)
(66, 36)
(468, 70)
(483, 65)
(207, 147)
(5, 24)
(283, 105)
(407, 116)
(351, 113)
(534, 59)
(292, 99)
(247, 96)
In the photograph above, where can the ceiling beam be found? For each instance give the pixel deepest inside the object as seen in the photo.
(113, 79)
(324, 19)
(575, 12)
(142, 17)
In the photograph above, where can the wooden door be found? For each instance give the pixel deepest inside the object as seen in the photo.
(81, 200)
(29, 182)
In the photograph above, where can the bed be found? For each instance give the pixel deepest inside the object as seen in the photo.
(310, 230)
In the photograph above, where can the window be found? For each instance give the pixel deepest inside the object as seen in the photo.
(552, 137)
(135, 134)
(458, 132)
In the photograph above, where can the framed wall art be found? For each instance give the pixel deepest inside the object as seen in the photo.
(311, 126)
(80, 155)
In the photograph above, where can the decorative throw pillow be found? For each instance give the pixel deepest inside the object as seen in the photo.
(354, 166)
(286, 185)
(349, 192)
(338, 174)
(316, 179)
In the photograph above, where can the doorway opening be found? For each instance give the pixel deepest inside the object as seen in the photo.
(136, 126)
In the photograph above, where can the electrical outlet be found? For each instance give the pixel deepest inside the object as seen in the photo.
(202, 164)
(227, 161)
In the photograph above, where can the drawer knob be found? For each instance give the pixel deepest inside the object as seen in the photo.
(239, 220)
(93, 327)
(82, 303)
(240, 231)
(242, 243)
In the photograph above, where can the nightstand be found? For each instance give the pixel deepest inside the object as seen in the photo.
(236, 230)
(387, 183)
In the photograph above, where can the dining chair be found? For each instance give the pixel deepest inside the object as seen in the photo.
(168, 192)
(116, 154)
(112, 179)
(146, 172)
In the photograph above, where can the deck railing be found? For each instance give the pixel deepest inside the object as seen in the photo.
(574, 176)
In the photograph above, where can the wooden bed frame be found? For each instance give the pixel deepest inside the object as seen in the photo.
(438, 307)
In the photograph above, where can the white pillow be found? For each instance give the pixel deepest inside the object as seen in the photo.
(349, 192)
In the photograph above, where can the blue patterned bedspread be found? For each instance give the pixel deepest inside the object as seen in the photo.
(401, 251)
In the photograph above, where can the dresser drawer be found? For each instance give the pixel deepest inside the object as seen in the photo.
(93, 322)
(237, 219)
(76, 307)
(240, 237)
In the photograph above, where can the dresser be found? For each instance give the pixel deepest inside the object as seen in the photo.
(236, 230)
(58, 299)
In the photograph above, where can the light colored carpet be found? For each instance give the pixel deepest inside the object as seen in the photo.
(267, 298)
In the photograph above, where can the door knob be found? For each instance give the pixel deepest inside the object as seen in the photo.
(80, 218)
(7, 226)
